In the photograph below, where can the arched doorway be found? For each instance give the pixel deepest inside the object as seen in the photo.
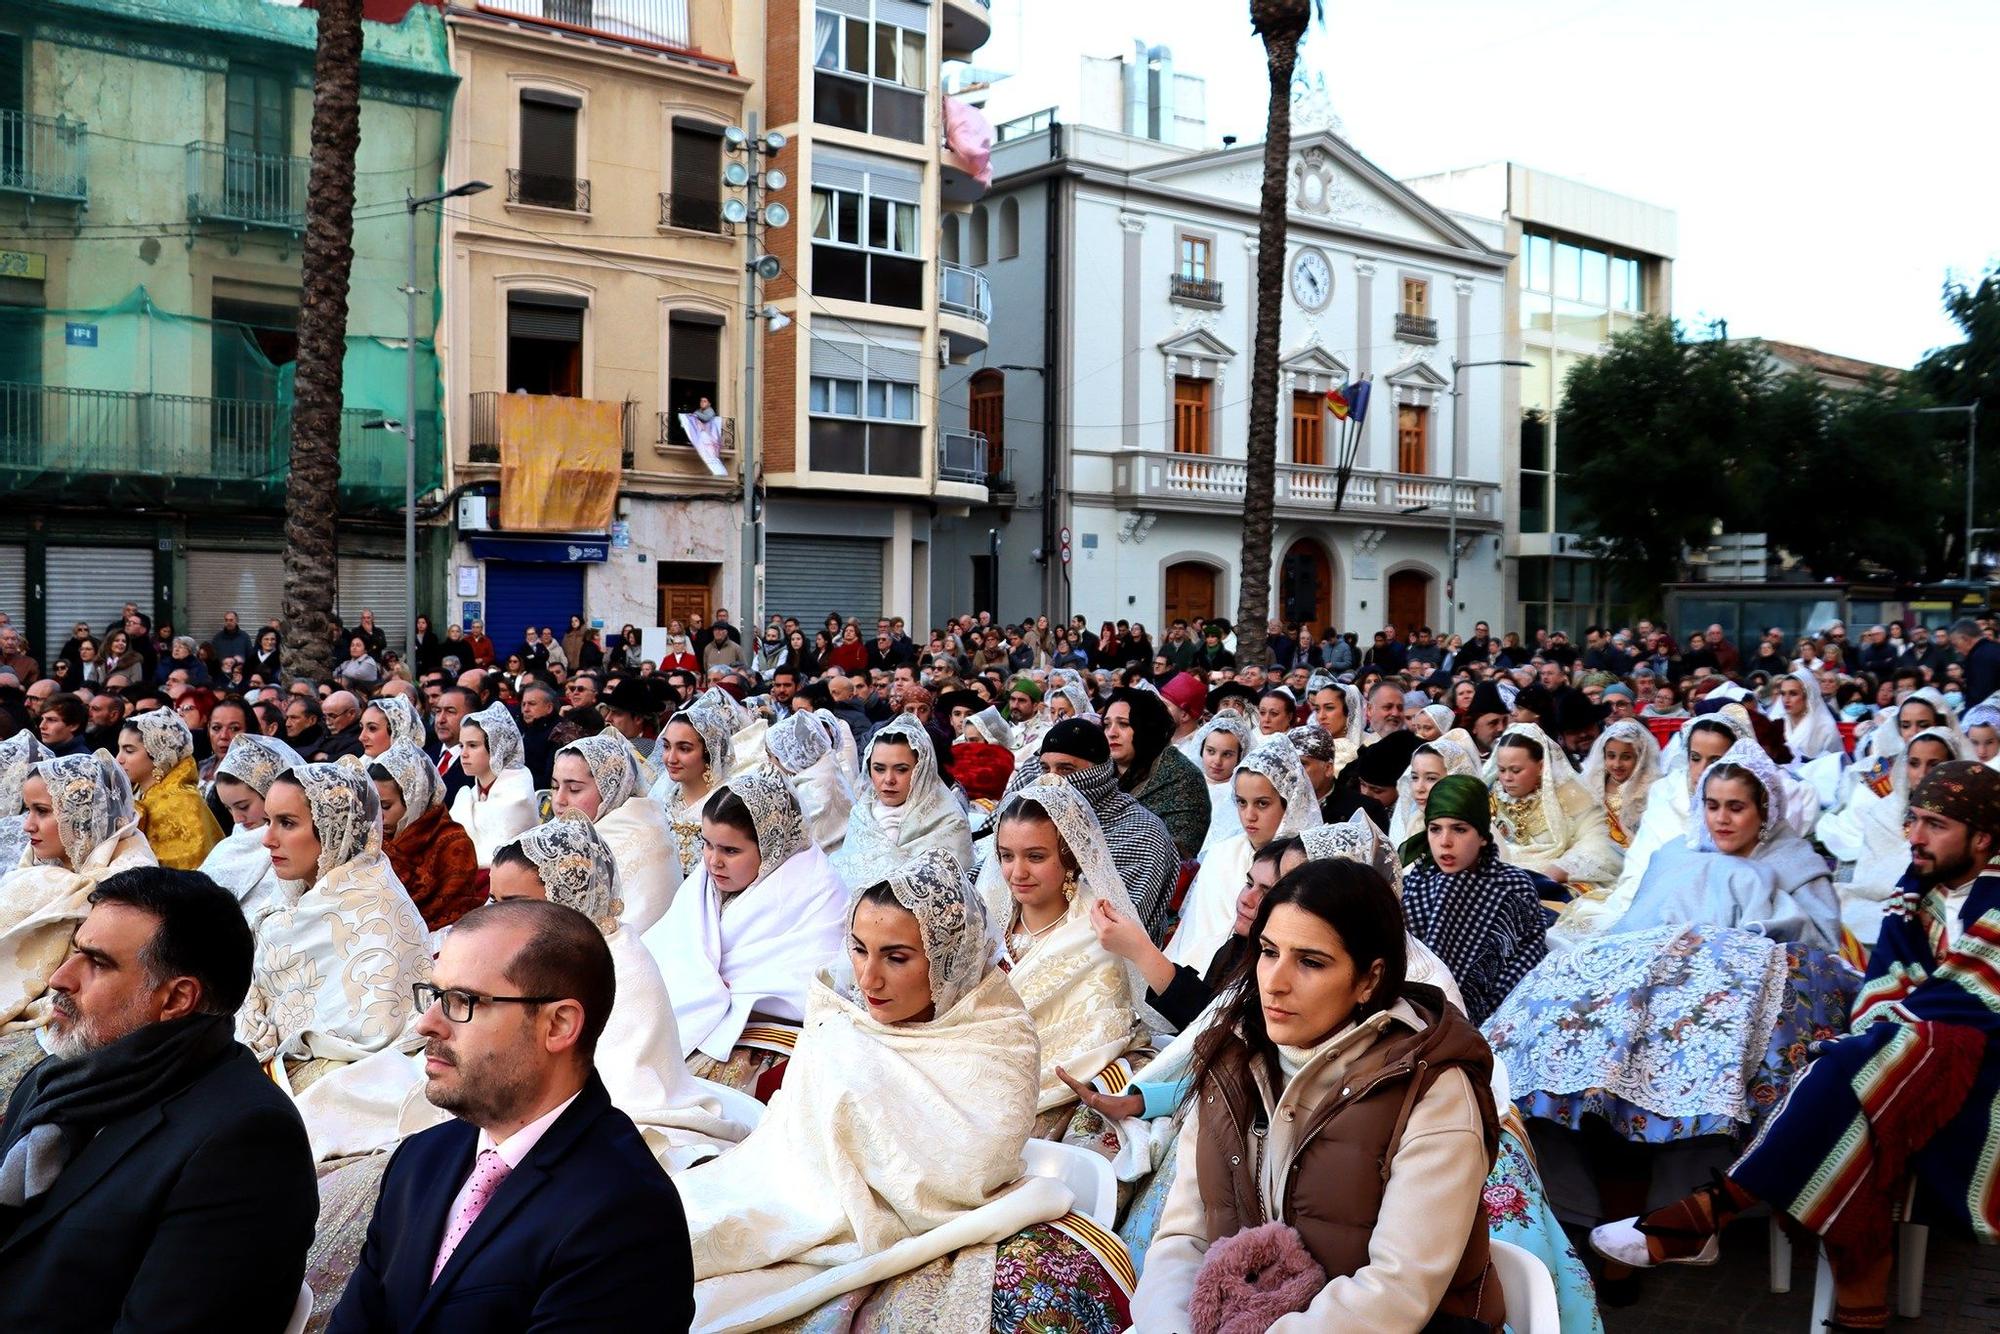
(1305, 585)
(1409, 601)
(1190, 590)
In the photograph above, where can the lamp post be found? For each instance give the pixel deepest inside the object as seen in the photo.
(1971, 411)
(752, 177)
(1451, 507)
(411, 203)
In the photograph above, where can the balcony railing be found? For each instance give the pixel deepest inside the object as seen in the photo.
(120, 444)
(654, 22)
(1417, 328)
(569, 193)
(963, 291)
(483, 439)
(671, 435)
(963, 456)
(233, 185)
(42, 158)
(1201, 291)
(695, 213)
(1204, 482)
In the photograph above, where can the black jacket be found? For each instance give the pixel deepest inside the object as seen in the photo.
(587, 1233)
(194, 1214)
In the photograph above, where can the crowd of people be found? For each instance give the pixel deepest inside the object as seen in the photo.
(804, 976)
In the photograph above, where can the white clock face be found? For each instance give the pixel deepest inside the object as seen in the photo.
(1312, 279)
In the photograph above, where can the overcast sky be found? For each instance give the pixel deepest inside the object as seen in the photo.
(1830, 160)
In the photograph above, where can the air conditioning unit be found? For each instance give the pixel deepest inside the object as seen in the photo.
(472, 514)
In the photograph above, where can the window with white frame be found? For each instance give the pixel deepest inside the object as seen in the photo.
(871, 67)
(862, 401)
(866, 230)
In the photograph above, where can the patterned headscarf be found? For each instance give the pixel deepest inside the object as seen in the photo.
(950, 920)
(1312, 742)
(414, 776)
(346, 813)
(1355, 839)
(576, 868)
(989, 723)
(1277, 761)
(1321, 681)
(18, 754)
(166, 739)
(1633, 792)
(1749, 756)
(502, 734)
(611, 766)
(797, 742)
(715, 724)
(92, 800)
(1962, 790)
(1232, 722)
(255, 761)
(404, 723)
(774, 813)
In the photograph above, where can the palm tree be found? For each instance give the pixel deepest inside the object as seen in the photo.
(1282, 25)
(312, 490)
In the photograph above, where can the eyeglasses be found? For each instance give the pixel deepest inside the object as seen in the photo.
(459, 1005)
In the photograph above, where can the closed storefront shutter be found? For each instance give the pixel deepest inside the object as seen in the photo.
(371, 584)
(522, 592)
(93, 584)
(14, 588)
(808, 577)
(249, 583)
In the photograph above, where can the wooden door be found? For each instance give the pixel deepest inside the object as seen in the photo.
(1409, 601)
(1305, 585)
(687, 603)
(1190, 593)
(1191, 403)
(989, 417)
(1413, 439)
(1309, 429)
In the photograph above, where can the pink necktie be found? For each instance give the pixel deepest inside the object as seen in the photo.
(487, 1174)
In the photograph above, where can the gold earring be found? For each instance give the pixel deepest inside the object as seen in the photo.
(708, 777)
(1069, 886)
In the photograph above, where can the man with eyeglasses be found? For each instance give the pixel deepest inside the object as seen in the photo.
(539, 1203)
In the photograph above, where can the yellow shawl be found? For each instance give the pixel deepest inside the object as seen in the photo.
(176, 821)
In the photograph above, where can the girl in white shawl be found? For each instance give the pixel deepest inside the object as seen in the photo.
(905, 809)
(1866, 836)
(696, 757)
(387, 720)
(1544, 821)
(18, 753)
(1620, 770)
(595, 778)
(339, 951)
(799, 747)
(498, 805)
(913, 1043)
(1451, 753)
(1274, 799)
(746, 931)
(1810, 728)
(1337, 708)
(1219, 746)
(81, 826)
(239, 862)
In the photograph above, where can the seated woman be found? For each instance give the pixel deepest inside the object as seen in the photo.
(240, 863)
(156, 751)
(1337, 708)
(745, 932)
(1049, 867)
(1430, 761)
(1432, 721)
(1480, 915)
(18, 754)
(1743, 867)
(339, 951)
(1277, 714)
(594, 777)
(430, 852)
(696, 759)
(800, 748)
(80, 826)
(387, 720)
(498, 805)
(1623, 765)
(1140, 733)
(905, 810)
(1220, 745)
(1326, 1009)
(1546, 822)
(1274, 799)
(1811, 730)
(839, 1201)
(1866, 835)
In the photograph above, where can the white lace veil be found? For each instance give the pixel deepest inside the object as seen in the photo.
(255, 761)
(1637, 735)
(503, 737)
(576, 868)
(18, 754)
(1556, 770)
(1355, 839)
(950, 920)
(404, 723)
(714, 724)
(92, 800)
(775, 814)
(1235, 724)
(1460, 755)
(346, 813)
(1750, 757)
(165, 737)
(1322, 681)
(993, 727)
(414, 776)
(796, 743)
(1948, 736)
(927, 790)
(1278, 761)
(612, 768)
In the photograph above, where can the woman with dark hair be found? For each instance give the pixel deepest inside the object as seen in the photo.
(431, 852)
(1140, 733)
(265, 659)
(430, 650)
(805, 656)
(1324, 1033)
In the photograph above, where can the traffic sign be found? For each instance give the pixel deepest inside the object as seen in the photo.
(1062, 536)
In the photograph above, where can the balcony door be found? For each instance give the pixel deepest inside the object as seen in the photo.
(1192, 400)
(1409, 601)
(251, 346)
(257, 172)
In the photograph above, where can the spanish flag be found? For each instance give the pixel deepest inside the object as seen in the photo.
(1336, 402)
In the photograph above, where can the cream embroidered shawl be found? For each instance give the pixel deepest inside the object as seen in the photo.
(40, 905)
(499, 817)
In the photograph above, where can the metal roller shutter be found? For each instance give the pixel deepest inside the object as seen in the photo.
(808, 577)
(371, 584)
(91, 584)
(518, 592)
(14, 586)
(249, 583)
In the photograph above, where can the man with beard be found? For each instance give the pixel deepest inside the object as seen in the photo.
(539, 1203)
(1907, 1098)
(149, 1172)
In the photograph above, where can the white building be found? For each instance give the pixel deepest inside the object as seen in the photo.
(1136, 309)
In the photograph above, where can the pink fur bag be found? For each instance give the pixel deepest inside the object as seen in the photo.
(1249, 1280)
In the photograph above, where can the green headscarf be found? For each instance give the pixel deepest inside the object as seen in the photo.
(1453, 797)
(1025, 685)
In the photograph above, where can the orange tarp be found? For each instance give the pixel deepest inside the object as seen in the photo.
(559, 462)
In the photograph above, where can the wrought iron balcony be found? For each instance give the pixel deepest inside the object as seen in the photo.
(1194, 291)
(483, 439)
(42, 157)
(1417, 328)
(569, 193)
(964, 456)
(234, 185)
(673, 437)
(695, 213)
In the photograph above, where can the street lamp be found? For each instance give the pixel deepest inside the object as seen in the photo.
(1451, 508)
(1971, 411)
(753, 177)
(411, 203)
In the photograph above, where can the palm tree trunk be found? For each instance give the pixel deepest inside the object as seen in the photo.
(312, 492)
(1280, 25)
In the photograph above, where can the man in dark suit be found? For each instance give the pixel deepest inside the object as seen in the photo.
(540, 1204)
(453, 704)
(151, 1176)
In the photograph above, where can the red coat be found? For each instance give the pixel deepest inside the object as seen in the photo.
(435, 860)
(850, 658)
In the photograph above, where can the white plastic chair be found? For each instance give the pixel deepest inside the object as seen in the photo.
(1503, 1088)
(302, 1310)
(1088, 1176)
(1530, 1289)
(1913, 1241)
